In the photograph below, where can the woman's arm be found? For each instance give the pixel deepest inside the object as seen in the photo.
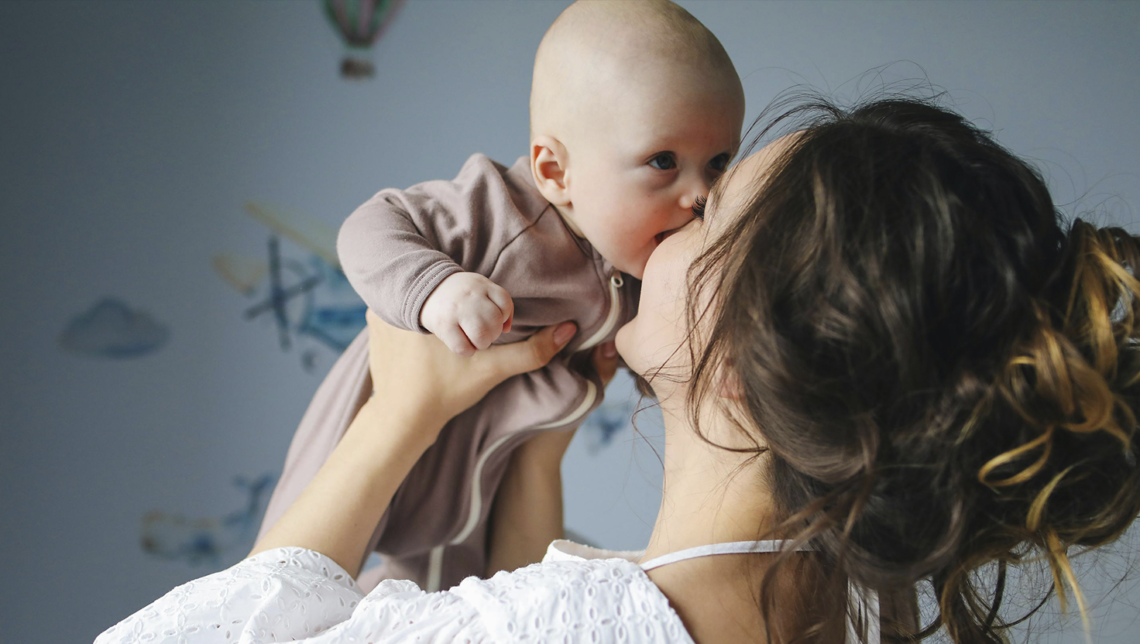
(344, 502)
(294, 593)
(420, 384)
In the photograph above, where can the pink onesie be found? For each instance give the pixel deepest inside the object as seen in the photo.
(395, 249)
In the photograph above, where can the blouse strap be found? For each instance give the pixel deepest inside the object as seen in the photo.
(865, 618)
(727, 548)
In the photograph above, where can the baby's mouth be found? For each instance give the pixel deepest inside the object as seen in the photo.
(661, 236)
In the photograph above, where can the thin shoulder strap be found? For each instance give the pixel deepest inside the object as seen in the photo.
(728, 548)
(866, 603)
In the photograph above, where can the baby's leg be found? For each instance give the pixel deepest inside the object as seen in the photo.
(527, 512)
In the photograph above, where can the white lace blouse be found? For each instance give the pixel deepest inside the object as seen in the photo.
(577, 594)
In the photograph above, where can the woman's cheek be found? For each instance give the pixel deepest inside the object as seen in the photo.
(624, 341)
(636, 339)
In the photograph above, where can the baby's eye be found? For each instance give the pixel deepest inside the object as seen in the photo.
(719, 162)
(663, 161)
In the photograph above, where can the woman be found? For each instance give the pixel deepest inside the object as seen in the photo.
(881, 360)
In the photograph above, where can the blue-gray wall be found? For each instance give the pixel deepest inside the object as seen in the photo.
(132, 133)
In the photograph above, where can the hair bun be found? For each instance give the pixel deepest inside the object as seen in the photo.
(1072, 383)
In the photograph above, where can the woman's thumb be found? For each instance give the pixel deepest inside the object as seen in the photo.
(536, 351)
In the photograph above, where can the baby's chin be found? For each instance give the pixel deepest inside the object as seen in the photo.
(633, 266)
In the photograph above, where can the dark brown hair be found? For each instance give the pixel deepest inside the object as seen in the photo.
(943, 373)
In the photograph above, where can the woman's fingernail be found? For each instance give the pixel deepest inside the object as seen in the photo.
(609, 350)
(564, 332)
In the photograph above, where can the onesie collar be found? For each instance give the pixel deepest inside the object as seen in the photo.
(521, 177)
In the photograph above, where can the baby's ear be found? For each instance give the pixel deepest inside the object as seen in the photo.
(548, 164)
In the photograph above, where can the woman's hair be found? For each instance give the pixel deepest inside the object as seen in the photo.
(944, 375)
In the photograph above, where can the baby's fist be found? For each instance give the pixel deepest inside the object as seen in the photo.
(468, 312)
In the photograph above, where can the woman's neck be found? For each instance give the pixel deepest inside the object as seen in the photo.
(712, 495)
(709, 494)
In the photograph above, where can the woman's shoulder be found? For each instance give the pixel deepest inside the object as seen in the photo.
(576, 593)
(566, 550)
(293, 594)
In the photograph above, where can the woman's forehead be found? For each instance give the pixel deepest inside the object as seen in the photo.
(758, 162)
(755, 166)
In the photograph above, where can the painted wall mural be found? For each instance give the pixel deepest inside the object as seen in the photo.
(307, 298)
(175, 537)
(110, 328)
(608, 420)
(360, 23)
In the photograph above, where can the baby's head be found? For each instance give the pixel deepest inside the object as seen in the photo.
(635, 110)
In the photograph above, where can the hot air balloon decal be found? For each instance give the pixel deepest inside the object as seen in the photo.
(360, 24)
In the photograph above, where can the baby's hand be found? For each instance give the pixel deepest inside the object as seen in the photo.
(468, 312)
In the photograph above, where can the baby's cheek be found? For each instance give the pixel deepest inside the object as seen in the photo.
(634, 252)
(629, 236)
(641, 234)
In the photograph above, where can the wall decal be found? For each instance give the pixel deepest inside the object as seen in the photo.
(241, 272)
(196, 541)
(607, 421)
(305, 298)
(360, 24)
(111, 329)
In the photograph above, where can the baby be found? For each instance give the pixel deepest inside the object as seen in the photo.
(635, 110)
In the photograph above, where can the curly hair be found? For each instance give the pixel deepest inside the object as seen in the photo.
(943, 373)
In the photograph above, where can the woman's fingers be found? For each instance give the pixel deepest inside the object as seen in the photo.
(606, 361)
(520, 357)
(420, 374)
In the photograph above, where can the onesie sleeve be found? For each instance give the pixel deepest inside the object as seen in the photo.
(398, 246)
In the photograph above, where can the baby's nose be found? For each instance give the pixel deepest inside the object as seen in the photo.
(690, 197)
(698, 188)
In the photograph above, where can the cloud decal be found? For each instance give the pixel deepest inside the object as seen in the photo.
(110, 329)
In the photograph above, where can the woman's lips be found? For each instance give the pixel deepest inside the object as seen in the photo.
(663, 235)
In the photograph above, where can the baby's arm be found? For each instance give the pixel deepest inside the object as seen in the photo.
(435, 241)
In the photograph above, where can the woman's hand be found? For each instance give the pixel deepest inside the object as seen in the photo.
(420, 384)
(416, 376)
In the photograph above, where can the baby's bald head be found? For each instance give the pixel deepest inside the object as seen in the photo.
(635, 110)
(598, 52)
